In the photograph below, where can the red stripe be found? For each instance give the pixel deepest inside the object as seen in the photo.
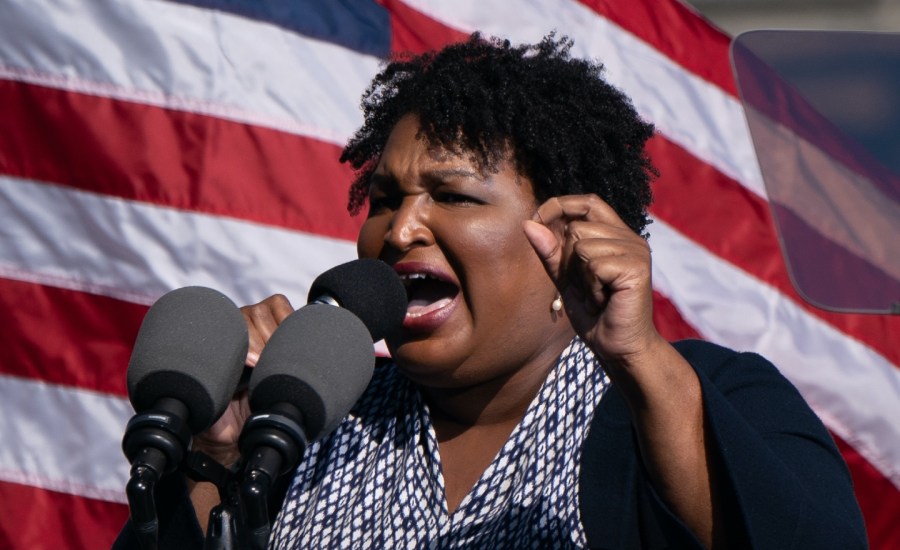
(36, 519)
(67, 337)
(878, 499)
(679, 32)
(669, 322)
(413, 31)
(77, 339)
(174, 158)
(692, 197)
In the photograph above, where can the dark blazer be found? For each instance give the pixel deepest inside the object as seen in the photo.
(780, 476)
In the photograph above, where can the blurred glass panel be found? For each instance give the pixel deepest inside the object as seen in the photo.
(823, 108)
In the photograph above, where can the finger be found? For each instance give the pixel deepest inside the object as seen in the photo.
(262, 320)
(609, 265)
(577, 207)
(554, 246)
(547, 246)
(280, 306)
(612, 239)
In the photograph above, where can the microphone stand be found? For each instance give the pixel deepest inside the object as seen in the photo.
(272, 443)
(225, 527)
(154, 443)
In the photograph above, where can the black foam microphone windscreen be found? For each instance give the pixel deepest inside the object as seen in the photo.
(370, 289)
(191, 347)
(320, 360)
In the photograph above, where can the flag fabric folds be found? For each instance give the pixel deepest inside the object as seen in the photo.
(147, 145)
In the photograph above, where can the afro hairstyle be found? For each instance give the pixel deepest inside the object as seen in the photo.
(567, 130)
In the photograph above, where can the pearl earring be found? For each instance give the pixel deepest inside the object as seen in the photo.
(557, 303)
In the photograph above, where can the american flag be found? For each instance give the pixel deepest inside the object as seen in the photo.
(147, 145)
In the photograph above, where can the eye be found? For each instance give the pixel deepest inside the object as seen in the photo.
(447, 197)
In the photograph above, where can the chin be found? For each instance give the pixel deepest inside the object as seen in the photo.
(425, 361)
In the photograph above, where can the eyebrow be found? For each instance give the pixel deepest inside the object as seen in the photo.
(440, 174)
(434, 175)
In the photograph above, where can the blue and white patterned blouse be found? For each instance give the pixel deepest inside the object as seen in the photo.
(376, 481)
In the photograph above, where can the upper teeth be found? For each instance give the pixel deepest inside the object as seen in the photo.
(407, 277)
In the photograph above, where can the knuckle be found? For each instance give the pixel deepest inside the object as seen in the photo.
(254, 312)
(276, 300)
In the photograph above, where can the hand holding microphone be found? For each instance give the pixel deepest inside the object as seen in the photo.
(311, 372)
(220, 441)
(183, 370)
(321, 357)
(367, 288)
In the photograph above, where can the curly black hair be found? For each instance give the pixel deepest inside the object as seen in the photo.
(568, 130)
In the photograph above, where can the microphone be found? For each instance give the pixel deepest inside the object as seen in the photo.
(311, 372)
(184, 368)
(368, 288)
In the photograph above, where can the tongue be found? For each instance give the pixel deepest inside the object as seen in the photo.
(428, 296)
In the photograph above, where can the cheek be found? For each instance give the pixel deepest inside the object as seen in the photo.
(505, 240)
(480, 245)
(499, 259)
(370, 239)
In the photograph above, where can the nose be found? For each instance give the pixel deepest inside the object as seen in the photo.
(409, 227)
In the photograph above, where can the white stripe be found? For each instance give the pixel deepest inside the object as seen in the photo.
(854, 389)
(63, 439)
(690, 111)
(186, 58)
(136, 252)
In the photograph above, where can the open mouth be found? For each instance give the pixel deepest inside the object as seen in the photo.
(427, 293)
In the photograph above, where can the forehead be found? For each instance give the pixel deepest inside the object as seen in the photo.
(408, 146)
(409, 158)
(406, 139)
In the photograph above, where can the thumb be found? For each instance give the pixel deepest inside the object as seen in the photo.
(546, 245)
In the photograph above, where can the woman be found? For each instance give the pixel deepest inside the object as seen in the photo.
(531, 402)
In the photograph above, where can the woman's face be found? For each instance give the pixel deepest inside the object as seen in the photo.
(480, 299)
